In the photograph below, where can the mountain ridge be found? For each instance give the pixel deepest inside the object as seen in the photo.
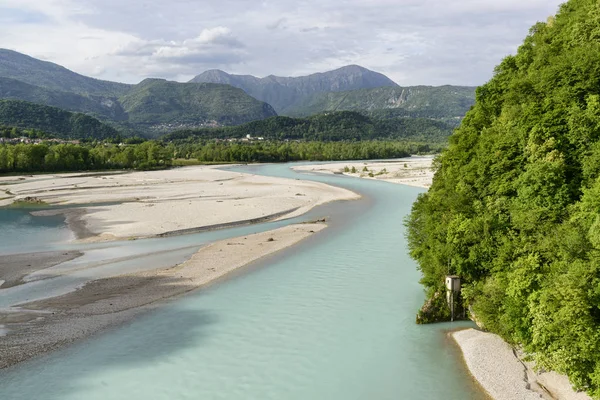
(158, 106)
(49, 75)
(283, 92)
(126, 106)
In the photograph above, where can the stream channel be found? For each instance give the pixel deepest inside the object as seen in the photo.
(330, 318)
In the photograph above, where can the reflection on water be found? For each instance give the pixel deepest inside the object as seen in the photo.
(331, 318)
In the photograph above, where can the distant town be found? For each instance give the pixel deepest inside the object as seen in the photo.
(27, 140)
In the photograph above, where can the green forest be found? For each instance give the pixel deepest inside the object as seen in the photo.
(277, 151)
(56, 157)
(59, 157)
(514, 208)
(335, 126)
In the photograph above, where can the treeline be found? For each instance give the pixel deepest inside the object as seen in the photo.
(48, 157)
(51, 157)
(335, 126)
(514, 207)
(297, 151)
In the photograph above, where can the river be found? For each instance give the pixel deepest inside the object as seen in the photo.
(331, 318)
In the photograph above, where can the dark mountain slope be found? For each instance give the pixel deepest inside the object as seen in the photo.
(59, 123)
(49, 75)
(100, 106)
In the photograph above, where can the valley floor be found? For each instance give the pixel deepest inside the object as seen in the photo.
(147, 204)
(116, 206)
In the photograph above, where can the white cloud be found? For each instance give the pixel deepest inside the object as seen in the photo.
(412, 41)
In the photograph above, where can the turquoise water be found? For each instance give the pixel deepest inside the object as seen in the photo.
(331, 318)
(21, 231)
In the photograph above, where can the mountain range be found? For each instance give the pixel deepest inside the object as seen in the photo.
(215, 98)
(350, 88)
(284, 93)
(151, 107)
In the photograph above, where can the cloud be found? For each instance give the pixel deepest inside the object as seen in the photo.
(412, 41)
(212, 46)
(17, 16)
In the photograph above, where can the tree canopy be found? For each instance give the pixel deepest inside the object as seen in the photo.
(514, 207)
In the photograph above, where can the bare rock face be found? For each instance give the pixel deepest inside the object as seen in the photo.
(434, 310)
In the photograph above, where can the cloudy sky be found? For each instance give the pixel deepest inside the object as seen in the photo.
(429, 42)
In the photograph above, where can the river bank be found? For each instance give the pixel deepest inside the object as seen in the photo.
(504, 375)
(153, 203)
(412, 171)
(38, 327)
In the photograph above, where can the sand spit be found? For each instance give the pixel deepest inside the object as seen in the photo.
(412, 171)
(496, 366)
(46, 325)
(151, 203)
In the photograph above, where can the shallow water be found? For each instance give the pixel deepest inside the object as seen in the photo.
(20, 231)
(331, 318)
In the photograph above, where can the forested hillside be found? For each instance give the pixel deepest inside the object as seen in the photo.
(335, 126)
(514, 208)
(61, 124)
(156, 102)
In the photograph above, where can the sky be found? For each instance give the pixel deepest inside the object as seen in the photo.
(429, 42)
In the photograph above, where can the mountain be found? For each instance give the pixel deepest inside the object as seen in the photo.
(152, 106)
(514, 208)
(100, 106)
(61, 124)
(157, 106)
(416, 101)
(52, 76)
(284, 93)
(162, 105)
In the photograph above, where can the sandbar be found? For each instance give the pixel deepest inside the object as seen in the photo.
(46, 325)
(114, 206)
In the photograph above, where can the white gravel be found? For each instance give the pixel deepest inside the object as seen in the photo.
(495, 366)
(498, 369)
